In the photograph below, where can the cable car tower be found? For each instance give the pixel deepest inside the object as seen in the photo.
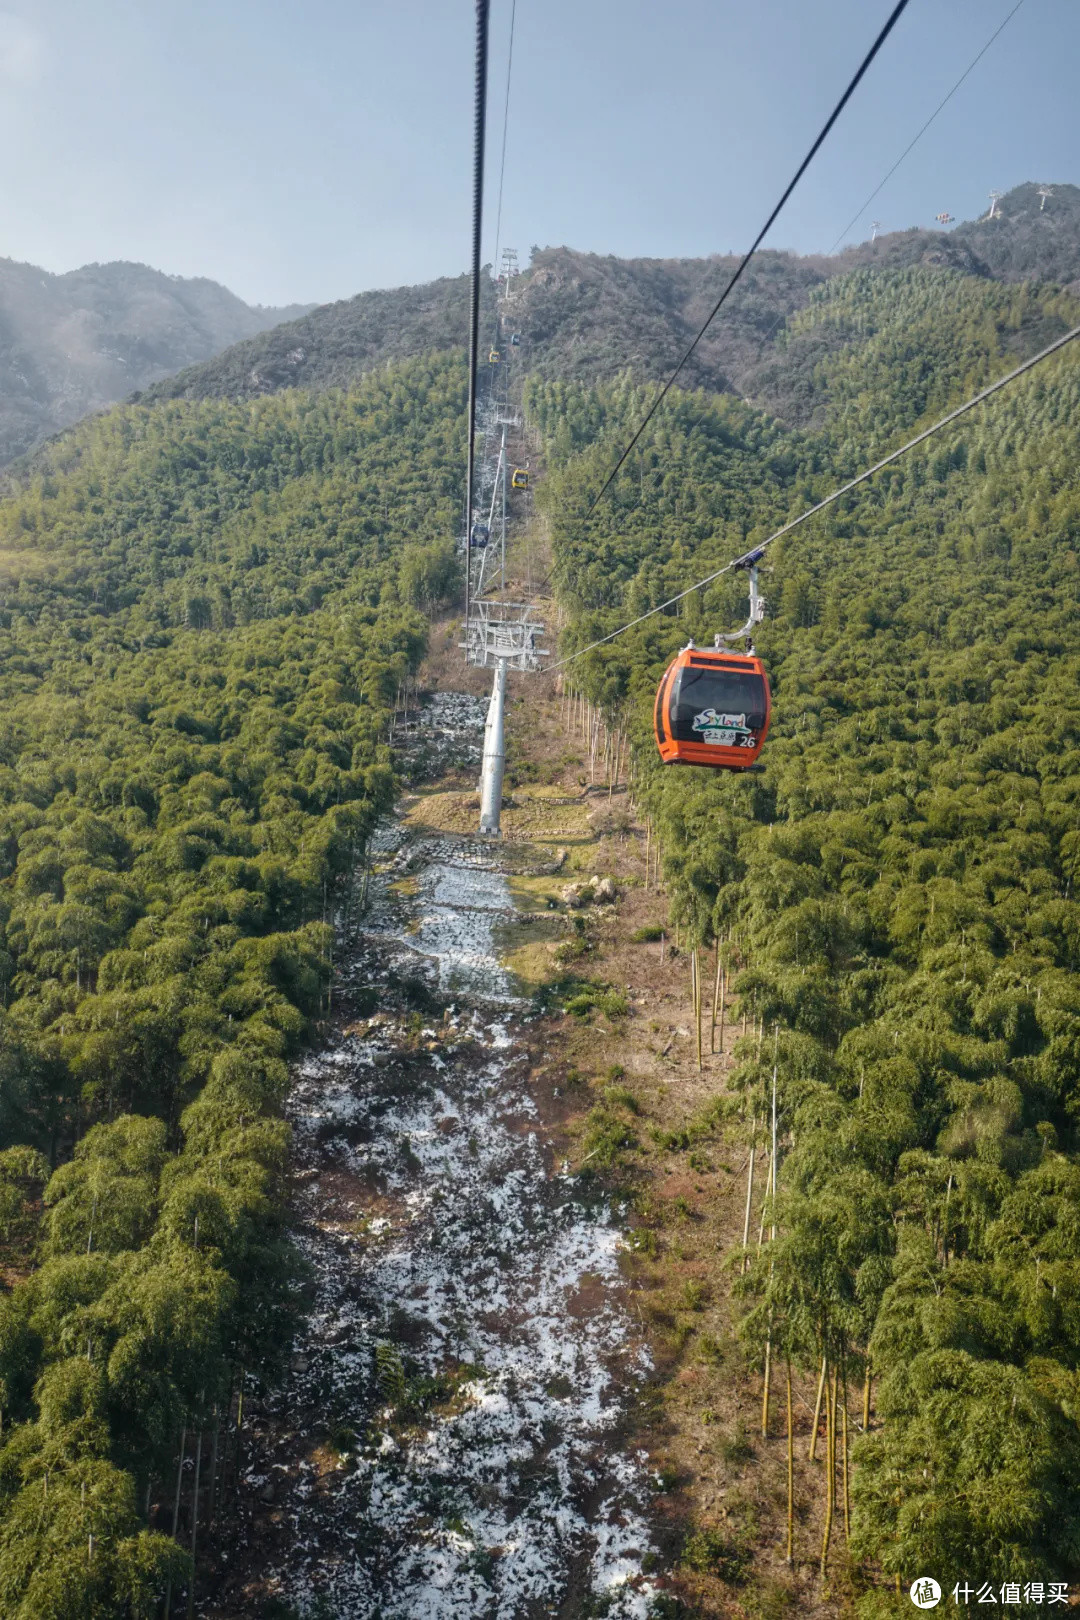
(499, 635)
(508, 269)
(875, 226)
(1042, 193)
(995, 198)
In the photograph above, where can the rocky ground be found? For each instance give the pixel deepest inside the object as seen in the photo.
(451, 1442)
(521, 1390)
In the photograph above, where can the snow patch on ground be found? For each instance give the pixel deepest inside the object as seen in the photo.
(454, 1254)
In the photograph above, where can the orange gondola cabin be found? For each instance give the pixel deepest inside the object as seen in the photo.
(713, 708)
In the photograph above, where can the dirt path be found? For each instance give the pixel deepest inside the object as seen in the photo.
(449, 1444)
(501, 1408)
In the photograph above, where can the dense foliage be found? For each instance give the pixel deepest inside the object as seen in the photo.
(207, 611)
(899, 882)
(206, 607)
(133, 325)
(587, 317)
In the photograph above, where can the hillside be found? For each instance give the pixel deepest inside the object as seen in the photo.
(74, 343)
(207, 612)
(1028, 241)
(584, 317)
(893, 900)
(210, 600)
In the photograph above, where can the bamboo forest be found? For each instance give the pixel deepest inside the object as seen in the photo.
(230, 616)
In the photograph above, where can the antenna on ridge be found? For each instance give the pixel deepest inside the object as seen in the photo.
(1042, 193)
(995, 198)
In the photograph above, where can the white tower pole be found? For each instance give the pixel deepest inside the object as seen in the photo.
(491, 779)
(502, 578)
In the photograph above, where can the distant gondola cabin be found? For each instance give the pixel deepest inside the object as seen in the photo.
(519, 479)
(713, 709)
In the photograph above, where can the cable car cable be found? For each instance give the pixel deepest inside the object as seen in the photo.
(893, 19)
(907, 149)
(917, 138)
(479, 134)
(756, 551)
(660, 471)
(506, 125)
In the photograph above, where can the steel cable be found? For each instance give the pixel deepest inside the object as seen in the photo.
(819, 506)
(479, 135)
(893, 19)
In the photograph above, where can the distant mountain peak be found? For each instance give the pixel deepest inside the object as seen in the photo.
(78, 340)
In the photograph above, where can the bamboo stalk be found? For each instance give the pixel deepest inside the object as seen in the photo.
(648, 852)
(697, 1005)
(715, 1001)
(214, 1463)
(176, 1514)
(830, 1469)
(844, 1457)
(775, 1161)
(767, 1386)
(194, 1524)
(866, 1397)
(723, 1005)
(749, 1193)
(812, 1453)
(764, 1202)
(790, 1473)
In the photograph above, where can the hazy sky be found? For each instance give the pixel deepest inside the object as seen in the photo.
(306, 151)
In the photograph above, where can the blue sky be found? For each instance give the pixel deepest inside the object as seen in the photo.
(307, 151)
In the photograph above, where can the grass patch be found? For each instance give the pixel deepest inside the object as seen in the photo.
(685, 1136)
(620, 1097)
(649, 935)
(714, 1552)
(598, 998)
(606, 1139)
(643, 1240)
(736, 1448)
(581, 997)
(695, 1296)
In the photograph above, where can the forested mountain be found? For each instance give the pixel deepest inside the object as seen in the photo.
(206, 610)
(896, 889)
(1029, 238)
(208, 598)
(73, 343)
(586, 318)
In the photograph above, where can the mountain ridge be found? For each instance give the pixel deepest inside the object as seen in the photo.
(587, 317)
(80, 340)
